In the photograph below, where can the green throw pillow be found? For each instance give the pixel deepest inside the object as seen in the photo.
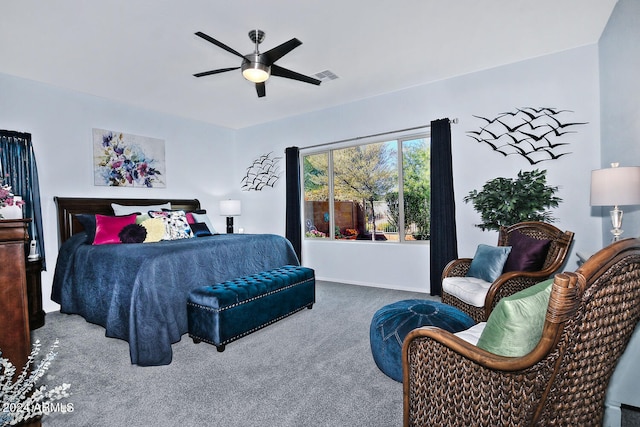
(515, 325)
(488, 262)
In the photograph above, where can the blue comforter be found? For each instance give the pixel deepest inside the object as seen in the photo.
(138, 291)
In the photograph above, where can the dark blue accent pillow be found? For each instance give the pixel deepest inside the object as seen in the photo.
(200, 229)
(88, 222)
(391, 324)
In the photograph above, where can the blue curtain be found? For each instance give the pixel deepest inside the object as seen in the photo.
(444, 242)
(18, 168)
(293, 230)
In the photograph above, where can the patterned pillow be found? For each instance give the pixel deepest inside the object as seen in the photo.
(176, 225)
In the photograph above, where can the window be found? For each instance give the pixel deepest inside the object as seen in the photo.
(378, 191)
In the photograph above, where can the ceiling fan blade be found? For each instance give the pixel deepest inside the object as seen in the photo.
(221, 70)
(283, 72)
(279, 51)
(219, 44)
(260, 89)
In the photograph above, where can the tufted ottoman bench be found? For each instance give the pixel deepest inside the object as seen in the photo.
(391, 324)
(224, 312)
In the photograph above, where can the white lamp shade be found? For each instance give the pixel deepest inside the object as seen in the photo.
(615, 186)
(230, 208)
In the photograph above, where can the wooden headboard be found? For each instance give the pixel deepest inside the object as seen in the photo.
(68, 207)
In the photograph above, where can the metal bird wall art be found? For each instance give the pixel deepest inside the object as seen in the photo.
(263, 172)
(533, 133)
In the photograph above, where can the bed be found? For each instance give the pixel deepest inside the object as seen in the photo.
(138, 291)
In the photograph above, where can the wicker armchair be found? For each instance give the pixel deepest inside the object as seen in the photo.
(513, 281)
(562, 381)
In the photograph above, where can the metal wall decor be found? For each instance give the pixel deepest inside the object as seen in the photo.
(533, 133)
(263, 172)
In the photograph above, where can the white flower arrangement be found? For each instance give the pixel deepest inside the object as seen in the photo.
(18, 401)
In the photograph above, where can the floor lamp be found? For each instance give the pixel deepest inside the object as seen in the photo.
(615, 186)
(230, 208)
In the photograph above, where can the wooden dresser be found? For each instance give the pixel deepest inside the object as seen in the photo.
(15, 337)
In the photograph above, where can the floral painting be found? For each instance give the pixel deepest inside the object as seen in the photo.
(123, 160)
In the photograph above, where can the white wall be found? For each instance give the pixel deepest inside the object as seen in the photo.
(209, 162)
(620, 107)
(567, 80)
(620, 112)
(199, 157)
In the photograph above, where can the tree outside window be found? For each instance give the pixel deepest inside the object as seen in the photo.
(353, 193)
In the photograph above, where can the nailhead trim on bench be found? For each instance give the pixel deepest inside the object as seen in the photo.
(228, 292)
(217, 310)
(257, 328)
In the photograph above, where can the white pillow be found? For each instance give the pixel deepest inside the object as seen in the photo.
(472, 335)
(197, 217)
(119, 210)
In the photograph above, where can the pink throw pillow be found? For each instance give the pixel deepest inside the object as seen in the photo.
(190, 218)
(108, 228)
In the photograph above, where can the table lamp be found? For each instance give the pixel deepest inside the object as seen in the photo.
(230, 208)
(615, 186)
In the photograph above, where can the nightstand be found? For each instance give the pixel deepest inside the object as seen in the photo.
(34, 293)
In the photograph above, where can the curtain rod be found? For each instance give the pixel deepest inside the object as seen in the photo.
(454, 121)
(13, 133)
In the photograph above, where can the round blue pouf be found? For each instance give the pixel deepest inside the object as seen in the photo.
(391, 324)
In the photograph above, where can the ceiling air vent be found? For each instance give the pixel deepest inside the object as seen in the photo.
(325, 76)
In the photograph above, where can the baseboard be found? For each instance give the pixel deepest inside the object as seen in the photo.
(630, 407)
(374, 285)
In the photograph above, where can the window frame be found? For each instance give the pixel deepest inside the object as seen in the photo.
(329, 149)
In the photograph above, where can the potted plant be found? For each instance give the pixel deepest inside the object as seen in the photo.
(10, 204)
(506, 201)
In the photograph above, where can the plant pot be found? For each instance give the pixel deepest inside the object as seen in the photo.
(11, 212)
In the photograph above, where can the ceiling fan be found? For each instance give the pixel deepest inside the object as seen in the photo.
(258, 67)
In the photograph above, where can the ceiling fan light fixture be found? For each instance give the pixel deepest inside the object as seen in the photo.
(257, 67)
(256, 75)
(255, 71)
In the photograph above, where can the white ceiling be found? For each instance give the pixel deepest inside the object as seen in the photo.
(144, 52)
